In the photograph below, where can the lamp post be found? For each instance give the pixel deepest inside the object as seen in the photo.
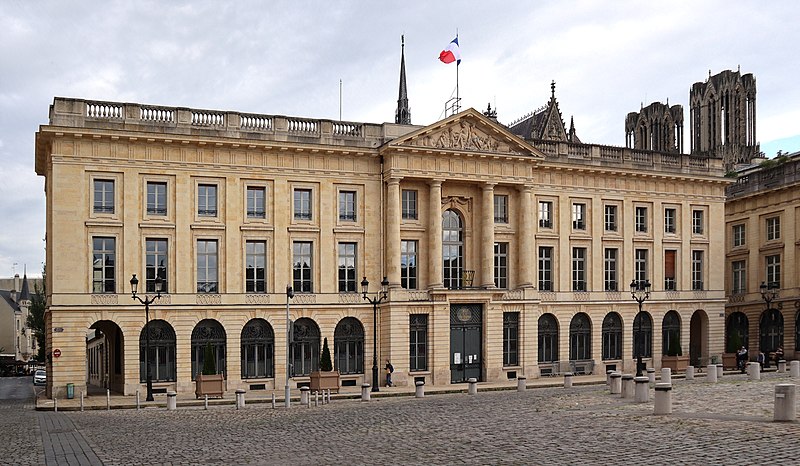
(768, 293)
(147, 302)
(640, 291)
(379, 297)
(287, 402)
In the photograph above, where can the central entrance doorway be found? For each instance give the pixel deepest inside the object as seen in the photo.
(466, 329)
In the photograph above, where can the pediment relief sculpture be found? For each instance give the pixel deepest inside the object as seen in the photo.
(463, 135)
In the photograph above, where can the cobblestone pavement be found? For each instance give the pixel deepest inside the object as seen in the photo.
(21, 441)
(725, 423)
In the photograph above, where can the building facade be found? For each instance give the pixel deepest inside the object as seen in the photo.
(17, 341)
(762, 250)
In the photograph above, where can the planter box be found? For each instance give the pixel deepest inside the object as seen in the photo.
(729, 360)
(324, 381)
(675, 363)
(211, 385)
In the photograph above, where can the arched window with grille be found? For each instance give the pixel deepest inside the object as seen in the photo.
(304, 350)
(612, 336)
(643, 335)
(548, 338)
(452, 249)
(348, 346)
(671, 334)
(770, 330)
(208, 332)
(580, 337)
(737, 331)
(258, 350)
(162, 352)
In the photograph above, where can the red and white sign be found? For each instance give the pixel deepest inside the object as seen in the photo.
(56, 353)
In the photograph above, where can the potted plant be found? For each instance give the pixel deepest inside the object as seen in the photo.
(732, 347)
(325, 378)
(674, 359)
(208, 382)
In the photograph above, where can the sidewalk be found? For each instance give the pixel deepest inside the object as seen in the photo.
(115, 401)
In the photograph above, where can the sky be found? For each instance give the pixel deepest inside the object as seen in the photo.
(607, 58)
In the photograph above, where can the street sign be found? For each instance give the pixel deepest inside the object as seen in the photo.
(56, 353)
(58, 329)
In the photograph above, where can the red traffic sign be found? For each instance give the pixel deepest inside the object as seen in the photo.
(56, 353)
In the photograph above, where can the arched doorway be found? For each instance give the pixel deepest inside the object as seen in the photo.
(162, 352)
(643, 335)
(770, 331)
(452, 249)
(737, 332)
(548, 338)
(105, 358)
(612, 336)
(208, 332)
(698, 338)
(348, 346)
(671, 334)
(580, 337)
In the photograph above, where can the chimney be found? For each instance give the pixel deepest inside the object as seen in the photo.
(15, 290)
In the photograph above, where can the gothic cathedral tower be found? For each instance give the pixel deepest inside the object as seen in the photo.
(403, 114)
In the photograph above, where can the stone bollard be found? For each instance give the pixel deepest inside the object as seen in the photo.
(138, 403)
(616, 383)
(365, 392)
(642, 391)
(785, 409)
(55, 404)
(328, 397)
(273, 401)
(316, 399)
(651, 375)
(521, 384)
(608, 377)
(240, 398)
(719, 371)
(711, 373)
(473, 386)
(205, 402)
(628, 387)
(420, 393)
(568, 380)
(137, 399)
(108, 399)
(782, 366)
(304, 395)
(754, 370)
(689, 372)
(666, 375)
(172, 400)
(794, 368)
(663, 399)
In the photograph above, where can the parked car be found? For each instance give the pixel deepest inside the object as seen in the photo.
(40, 377)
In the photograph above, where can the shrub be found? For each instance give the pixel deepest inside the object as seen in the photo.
(325, 364)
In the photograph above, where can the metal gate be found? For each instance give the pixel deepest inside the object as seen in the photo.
(466, 330)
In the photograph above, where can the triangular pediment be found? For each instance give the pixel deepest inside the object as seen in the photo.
(468, 131)
(553, 128)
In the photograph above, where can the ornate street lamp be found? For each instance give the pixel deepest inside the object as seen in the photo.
(640, 291)
(377, 299)
(287, 400)
(147, 302)
(768, 293)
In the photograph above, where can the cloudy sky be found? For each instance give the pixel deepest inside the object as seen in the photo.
(287, 57)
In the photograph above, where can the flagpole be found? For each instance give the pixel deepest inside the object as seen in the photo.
(458, 63)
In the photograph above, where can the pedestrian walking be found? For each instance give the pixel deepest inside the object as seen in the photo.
(389, 369)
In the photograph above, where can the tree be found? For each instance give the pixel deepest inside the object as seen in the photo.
(325, 364)
(36, 316)
(209, 362)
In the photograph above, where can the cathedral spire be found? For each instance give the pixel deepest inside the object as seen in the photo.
(402, 115)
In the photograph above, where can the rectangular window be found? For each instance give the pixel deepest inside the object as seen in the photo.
(697, 270)
(610, 217)
(510, 339)
(669, 220)
(418, 339)
(104, 196)
(578, 216)
(501, 265)
(773, 228)
(545, 268)
(302, 204)
(408, 264)
(347, 268)
(610, 270)
(256, 202)
(640, 265)
(739, 275)
(409, 204)
(739, 238)
(156, 264)
(641, 220)
(347, 206)
(207, 266)
(698, 223)
(500, 209)
(302, 267)
(255, 271)
(545, 214)
(670, 283)
(774, 271)
(104, 252)
(578, 269)
(207, 200)
(156, 198)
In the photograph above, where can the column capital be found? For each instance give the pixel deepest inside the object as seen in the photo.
(525, 188)
(435, 182)
(489, 185)
(394, 180)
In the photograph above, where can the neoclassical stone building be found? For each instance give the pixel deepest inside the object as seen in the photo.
(508, 250)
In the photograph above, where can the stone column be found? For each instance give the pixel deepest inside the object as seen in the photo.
(642, 390)
(568, 380)
(420, 391)
(663, 399)
(666, 375)
(487, 236)
(628, 387)
(651, 374)
(526, 234)
(711, 373)
(365, 394)
(393, 215)
(689, 372)
(435, 235)
(521, 384)
(616, 383)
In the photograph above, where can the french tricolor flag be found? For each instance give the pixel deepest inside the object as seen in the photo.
(452, 53)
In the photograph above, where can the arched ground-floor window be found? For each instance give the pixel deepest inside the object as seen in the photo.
(348, 346)
(671, 334)
(770, 331)
(548, 338)
(612, 336)
(304, 350)
(258, 350)
(208, 333)
(580, 337)
(737, 331)
(162, 352)
(643, 335)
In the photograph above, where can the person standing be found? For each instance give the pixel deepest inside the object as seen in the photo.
(389, 369)
(778, 355)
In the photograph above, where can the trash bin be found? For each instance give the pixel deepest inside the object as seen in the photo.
(70, 391)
